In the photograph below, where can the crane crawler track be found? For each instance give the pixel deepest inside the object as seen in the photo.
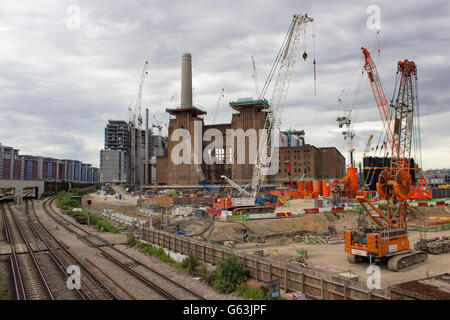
(406, 260)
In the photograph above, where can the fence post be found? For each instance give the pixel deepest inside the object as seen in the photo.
(303, 283)
(345, 291)
(270, 271)
(256, 268)
(212, 249)
(285, 277)
(204, 251)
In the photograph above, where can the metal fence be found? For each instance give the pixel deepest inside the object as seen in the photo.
(314, 284)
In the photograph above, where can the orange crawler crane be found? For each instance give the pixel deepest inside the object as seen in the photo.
(389, 239)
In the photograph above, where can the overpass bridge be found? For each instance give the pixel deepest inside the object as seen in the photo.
(19, 185)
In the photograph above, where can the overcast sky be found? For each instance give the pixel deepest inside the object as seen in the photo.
(61, 81)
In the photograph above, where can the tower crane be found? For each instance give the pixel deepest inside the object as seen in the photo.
(138, 101)
(284, 63)
(159, 127)
(286, 60)
(389, 239)
(219, 99)
(255, 78)
(137, 115)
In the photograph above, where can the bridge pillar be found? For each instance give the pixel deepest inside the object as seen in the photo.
(18, 194)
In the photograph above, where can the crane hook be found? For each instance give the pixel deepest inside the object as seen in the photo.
(305, 55)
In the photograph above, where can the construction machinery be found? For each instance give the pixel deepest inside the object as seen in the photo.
(284, 63)
(255, 78)
(347, 186)
(387, 237)
(421, 190)
(136, 126)
(285, 60)
(219, 99)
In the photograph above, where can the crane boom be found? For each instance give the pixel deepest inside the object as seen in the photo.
(235, 185)
(389, 239)
(378, 93)
(287, 60)
(255, 77)
(138, 107)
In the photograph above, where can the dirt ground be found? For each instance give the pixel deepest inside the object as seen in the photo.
(328, 258)
(333, 259)
(124, 206)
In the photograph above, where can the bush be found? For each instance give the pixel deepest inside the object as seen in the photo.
(229, 273)
(131, 240)
(67, 206)
(156, 252)
(191, 263)
(79, 192)
(252, 293)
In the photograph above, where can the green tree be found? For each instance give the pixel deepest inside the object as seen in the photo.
(230, 273)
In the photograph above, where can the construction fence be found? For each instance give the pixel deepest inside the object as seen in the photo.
(314, 284)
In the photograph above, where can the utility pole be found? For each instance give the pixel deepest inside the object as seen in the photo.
(146, 149)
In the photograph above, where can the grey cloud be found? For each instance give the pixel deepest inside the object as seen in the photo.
(60, 86)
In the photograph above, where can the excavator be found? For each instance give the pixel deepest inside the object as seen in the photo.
(386, 237)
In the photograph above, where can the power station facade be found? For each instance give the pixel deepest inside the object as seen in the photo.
(135, 158)
(249, 114)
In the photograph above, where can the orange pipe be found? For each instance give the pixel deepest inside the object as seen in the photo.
(309, 185)
(326, 185)
(317, 186)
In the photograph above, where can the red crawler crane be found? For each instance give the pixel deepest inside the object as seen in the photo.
(389, 238)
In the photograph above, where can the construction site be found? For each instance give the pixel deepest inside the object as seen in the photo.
(316, 211)
(308, 222)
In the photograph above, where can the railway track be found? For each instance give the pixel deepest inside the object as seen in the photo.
(133, 266)
(29, 280)
(91, 286)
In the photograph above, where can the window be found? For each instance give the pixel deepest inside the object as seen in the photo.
(220, 154)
